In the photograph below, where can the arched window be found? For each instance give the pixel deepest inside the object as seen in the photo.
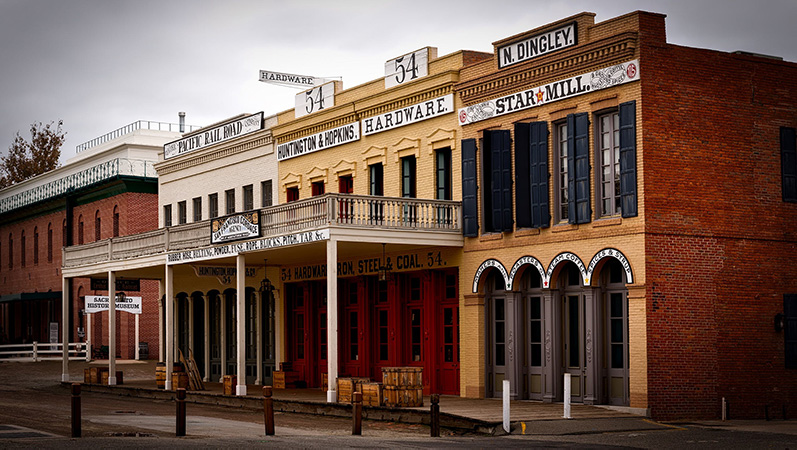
(50, 242)
(63, 234)
(35, 246)
(115, 221)
(97, 226)
(10, 250)
(22, 246)
(80, 230)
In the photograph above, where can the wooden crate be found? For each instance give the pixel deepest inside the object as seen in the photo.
(96, 374)
(229, 383)
(324, 381)
(104, 377)
(86, 376)
(372, 394)
(402, 396)
(349, 385)
(402, 376)
(279, 379)
(179, 380)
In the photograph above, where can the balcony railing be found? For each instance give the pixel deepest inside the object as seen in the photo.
(329, 210)
(138, 125)
(84, 178)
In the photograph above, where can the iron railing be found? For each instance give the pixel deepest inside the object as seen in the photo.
(137, 125)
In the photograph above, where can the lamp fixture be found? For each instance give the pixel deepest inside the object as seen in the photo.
(383, 266)
(265, 284)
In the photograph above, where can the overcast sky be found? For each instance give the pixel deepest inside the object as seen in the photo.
(101, 64)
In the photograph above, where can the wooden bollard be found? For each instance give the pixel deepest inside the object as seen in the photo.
(180, 427)
(357, 414)
(76, 432)
(434, 415)
(268, 410)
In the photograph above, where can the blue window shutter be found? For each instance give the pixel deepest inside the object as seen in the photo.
(523, 179)
(506, 181)
(790, 329)
(470, 205)
(538, 157)
(580, 209)
(628, 197)
(788, 164)
(492, 148)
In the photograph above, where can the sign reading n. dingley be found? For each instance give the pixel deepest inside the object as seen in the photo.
(551, 92)
(538, 45)
(235, 227)
(411, 114)
(221, 133)
(97, 303)
(319, 141)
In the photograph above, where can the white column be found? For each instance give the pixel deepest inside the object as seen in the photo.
(223, 340)
(138, 334)
(207, 338)
(65, 329)
(259, 337)
(176, 332)
(111, 328)
(190, 326)
(169, 346)
(88, 333)
(332, 319)
(240, 331)
(161, 322)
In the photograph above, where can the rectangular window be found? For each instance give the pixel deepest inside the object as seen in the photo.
(229, 201)
(249, 198)
(97, 228)
(578, 168)
(182, 213)
(443, 174)
(607, 146)
(265, 193)
(292, 194)
(562, 186)
(115, 223)
(22, 245)
(408, 176)
(197, 209)
(10, 251)
(317, 188)
(35, 246)
(167, 215)
(213, 206)
(346, 184)
(376, 179)
(49, 245)
(788, 163)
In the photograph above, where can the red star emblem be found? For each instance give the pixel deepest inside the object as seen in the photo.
(540, 96)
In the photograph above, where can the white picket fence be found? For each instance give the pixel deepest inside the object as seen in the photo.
(41, 352)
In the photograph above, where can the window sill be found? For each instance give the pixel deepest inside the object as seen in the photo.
(560, 228)
(608, 222)
(491, 237)
(527, 232)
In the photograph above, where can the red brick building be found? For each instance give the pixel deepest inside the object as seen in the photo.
(630, 208)
(108, 190)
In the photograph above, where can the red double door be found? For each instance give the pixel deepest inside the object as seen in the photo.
(409, 320)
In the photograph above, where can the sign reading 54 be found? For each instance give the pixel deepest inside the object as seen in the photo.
(408, 67)
(315, 99)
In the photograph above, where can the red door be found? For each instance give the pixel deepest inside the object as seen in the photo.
(383, 336)
(298, 332)
(352, 354)
(447, 338)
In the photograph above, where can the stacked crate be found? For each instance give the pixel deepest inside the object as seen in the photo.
(347, 386)
(402, 386)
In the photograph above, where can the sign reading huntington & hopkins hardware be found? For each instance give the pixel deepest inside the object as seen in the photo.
(410, 114)
(319, 141)
(537, 45)
(235, 227)
(221, 133)
(558, 90)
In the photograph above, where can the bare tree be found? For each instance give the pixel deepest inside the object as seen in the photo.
(28, 159)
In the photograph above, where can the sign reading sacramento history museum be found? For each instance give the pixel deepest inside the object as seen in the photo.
(221, 133)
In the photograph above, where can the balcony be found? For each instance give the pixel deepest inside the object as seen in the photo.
(326, 211)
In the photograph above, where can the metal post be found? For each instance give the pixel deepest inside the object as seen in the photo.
(434, 416)
(357, 414)
(567, 396)
(76, 432)
(506, 397)
(180, 427)
(268, 410)
(36, 351)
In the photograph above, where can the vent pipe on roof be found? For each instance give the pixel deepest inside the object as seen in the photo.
(182, 121)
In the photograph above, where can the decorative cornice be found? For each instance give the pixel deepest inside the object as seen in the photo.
(167, 167)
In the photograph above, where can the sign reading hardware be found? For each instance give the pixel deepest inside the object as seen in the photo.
(411, 114)
(407, 68)
(314, 100)
(214, 135)
(551, 92)
(234, 249)
(289, 79)
(235, 227)
(319, 141)
(98, 303)
(541, 44)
